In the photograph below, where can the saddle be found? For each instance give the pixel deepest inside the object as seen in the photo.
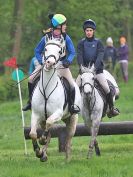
(103, 94)
(67, 92)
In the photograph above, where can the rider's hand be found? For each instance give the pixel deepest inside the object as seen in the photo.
(66, 64)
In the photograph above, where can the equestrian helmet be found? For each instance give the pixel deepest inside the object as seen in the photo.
(89, 24)
(58, 19)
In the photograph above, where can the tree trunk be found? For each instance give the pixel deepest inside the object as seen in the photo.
(128, 30)
(17, 32)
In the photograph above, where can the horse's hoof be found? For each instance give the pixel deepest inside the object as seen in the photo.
(39, 154)
(98, 153)
(44, 158)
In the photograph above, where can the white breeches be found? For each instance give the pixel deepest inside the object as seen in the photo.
(65, 72)
(103, 82)
(35, 74)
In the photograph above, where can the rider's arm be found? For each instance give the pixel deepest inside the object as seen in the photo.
(31, 68)
(39, 49)
(99, 59)
(70, 49)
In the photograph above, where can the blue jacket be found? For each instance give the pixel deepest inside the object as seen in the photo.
(91, 51)
(110, 52)
(33, 65)
(69, 47)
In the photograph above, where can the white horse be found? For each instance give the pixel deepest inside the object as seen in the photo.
(48, 102)
(93, 105)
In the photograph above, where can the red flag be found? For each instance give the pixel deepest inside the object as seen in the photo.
(11, 63)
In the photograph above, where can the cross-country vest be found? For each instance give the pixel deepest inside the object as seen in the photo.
(49, 37)
(89, 51)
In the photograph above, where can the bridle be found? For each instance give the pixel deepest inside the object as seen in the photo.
(46, 58)
(90, 103)
(43, 91)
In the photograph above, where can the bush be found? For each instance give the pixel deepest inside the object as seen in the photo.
(9, 89)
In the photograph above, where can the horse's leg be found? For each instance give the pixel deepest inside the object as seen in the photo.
(94, 132)
(33, 134)
(34, 125)
(44, 157)
(55, 117)
(97, 150)
(71, 128)
(36, 148)
(42, 141)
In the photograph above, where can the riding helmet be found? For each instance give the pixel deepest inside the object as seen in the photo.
(89, 24)
(58, 19)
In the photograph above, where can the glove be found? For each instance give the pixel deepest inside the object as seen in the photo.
(66, 64)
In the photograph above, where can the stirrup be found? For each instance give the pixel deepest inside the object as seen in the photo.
(74, 109)
(113, 112)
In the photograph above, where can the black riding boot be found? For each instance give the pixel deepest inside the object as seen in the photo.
(30, 88)
(73, 108)
(112, 111)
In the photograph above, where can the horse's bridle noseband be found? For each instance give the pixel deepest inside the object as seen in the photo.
(92, 92)
(46, 58)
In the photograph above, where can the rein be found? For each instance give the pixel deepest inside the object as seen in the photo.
(44, 91)
(45, 58)
(90, 103)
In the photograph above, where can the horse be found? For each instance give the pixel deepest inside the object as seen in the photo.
(48, 102)
(93, 106)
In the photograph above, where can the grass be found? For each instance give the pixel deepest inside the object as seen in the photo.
(116, 150)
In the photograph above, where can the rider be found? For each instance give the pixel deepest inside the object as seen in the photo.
(91, 51)
(33, 65)
(110, 55)
(58, 31)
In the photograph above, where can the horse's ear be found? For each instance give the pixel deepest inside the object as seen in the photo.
(46, 38)
(61, 41)
(82, 69)
(93, 68)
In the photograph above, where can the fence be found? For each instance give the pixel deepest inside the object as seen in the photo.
(106, 128)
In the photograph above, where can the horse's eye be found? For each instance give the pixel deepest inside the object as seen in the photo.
(45, 49)
(60, 52)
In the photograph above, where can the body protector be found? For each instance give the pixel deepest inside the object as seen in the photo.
(91, 52)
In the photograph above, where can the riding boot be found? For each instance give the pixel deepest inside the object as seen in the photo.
(30, 88)
(112, 111)
(74, 109)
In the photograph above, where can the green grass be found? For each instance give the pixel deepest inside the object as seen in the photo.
(116, 150)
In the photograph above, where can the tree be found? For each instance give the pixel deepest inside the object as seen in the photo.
(17, 32)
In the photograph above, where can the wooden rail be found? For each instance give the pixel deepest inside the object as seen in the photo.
(106, 128)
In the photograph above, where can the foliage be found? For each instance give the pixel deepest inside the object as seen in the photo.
(111, 18)
(9, 88)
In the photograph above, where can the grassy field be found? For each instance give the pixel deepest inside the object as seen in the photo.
(116, 151)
